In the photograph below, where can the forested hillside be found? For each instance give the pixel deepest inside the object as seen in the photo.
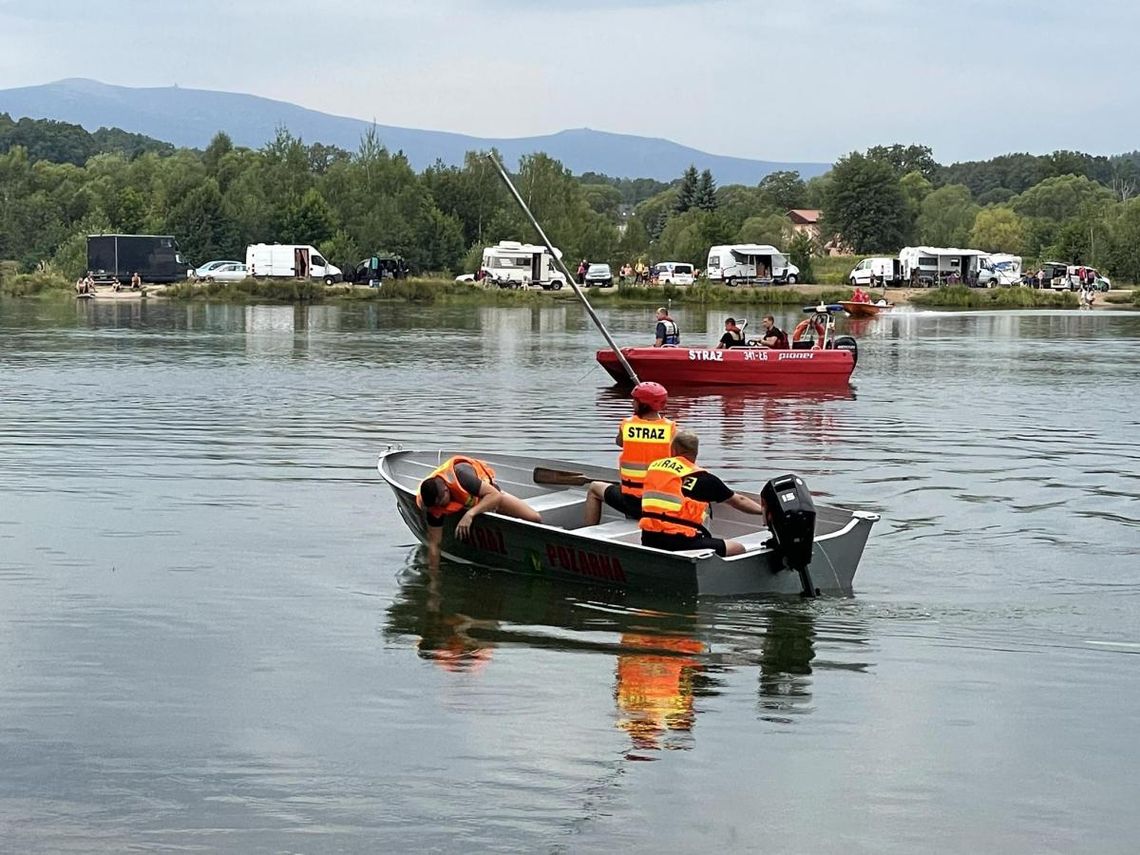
(59, 183)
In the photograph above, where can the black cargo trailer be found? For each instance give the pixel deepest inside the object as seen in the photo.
(154, 257)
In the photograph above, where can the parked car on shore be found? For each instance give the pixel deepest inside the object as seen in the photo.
(599, 275)
(673, 273)
(204, 271)
(231, 271)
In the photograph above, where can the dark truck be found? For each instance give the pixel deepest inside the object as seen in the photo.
(379, 267)
(155, 258)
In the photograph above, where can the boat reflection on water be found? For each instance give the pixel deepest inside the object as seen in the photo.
(671, 656)
(742, 414)
(654, 689)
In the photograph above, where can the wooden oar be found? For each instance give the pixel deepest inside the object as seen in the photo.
(561, 477)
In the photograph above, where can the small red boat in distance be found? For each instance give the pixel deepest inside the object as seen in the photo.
(856, 309)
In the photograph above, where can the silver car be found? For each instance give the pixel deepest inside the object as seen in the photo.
(232, 271)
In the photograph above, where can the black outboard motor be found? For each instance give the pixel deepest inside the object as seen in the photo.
(846, 342)
(790, 514)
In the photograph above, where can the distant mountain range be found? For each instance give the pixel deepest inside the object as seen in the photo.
(191, 117)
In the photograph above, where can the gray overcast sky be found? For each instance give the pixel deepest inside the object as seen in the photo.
(772, 79)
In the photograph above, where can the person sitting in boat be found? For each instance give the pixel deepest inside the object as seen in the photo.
(676, 502)
(643, 437)
(860, 296)
(667, 330)
(773, 336)
(733, 335)
(464, 485)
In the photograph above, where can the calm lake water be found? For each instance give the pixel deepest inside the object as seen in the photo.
(216, 633)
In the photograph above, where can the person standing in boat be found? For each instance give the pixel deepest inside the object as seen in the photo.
(668, 333)
(676, 502)
(643, 437)
(464, 485)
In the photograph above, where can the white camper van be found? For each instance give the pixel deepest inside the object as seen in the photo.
(875, 271)
(930, 266)
(750, 262)
(510, 264)
(999, 268)
(289, 261)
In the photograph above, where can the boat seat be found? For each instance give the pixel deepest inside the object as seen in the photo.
(557, 499)
(755, 541)
(615, 530)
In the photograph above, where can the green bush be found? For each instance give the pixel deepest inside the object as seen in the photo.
(28, 284)
(832, 270)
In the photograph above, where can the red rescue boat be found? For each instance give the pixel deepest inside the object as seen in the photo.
(823, 360)
(734, 366)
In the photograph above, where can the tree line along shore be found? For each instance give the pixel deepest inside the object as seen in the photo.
(62, 183)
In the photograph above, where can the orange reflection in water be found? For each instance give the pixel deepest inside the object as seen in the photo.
(654, 690)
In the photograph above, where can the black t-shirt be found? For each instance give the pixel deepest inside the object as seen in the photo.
(706, 487)
(468, 479)
(732, 339)
(781, 337)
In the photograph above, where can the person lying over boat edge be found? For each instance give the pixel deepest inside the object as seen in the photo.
(464, 485)
(675, 503)
(643, 437)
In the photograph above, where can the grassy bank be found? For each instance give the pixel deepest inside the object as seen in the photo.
(447, 291)
(399, 290)
(961, 297)
(1129, 298)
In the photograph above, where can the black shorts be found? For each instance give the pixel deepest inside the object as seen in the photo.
(623, 502)
(678, 542)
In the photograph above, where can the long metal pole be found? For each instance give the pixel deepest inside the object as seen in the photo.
(566, 272)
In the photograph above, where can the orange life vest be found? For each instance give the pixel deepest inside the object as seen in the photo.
(642, 442)
(664, 506)
(460, 499)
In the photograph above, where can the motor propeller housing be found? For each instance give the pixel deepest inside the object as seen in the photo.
(790, 514)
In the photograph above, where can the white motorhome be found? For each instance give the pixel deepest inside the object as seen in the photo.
(289, 261)
(928, 266)
(999, 268)
(510, 264)
(878, 270)
(749, 262)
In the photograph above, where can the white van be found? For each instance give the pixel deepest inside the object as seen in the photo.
(749, 262)
(511, 264)
(289, 261)
(999, 268)
(673, 273)
(874, 271)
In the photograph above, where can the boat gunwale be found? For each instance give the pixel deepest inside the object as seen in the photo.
(693, 557)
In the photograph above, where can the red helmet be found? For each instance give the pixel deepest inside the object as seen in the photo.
(651, 394)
